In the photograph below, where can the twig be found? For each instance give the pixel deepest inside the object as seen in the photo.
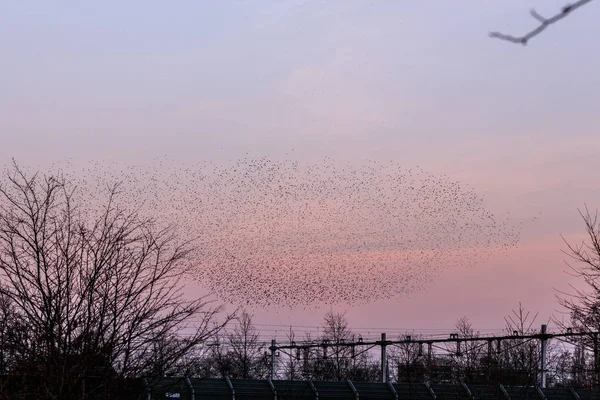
(544, 23)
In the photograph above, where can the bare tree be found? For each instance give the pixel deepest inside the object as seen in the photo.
(468, 355)
(236, 354)
(93, 294)
(565, 367)
(409, 360)
(311, 358)
(246, 350)
(543, 23)
(292, 368)
(583, 305)
(338, 357)
(218, 363)
(520, 358)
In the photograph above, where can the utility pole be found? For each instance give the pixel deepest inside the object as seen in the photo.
(544, 340)
(383, 358)
(489, 359)
(429, 353)
(596, 361)
(273, 348)
(306, 355)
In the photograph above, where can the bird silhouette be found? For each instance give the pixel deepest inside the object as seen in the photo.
(291, 234)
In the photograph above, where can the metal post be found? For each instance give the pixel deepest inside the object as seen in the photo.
(147, 387)
(383, 359)
(273, 349)
(499, 355)
(356, 394)
(504, 392)
(469, 393)
(489, 356)
(191, 387)
(273, 390)
(581, 362)
(429, 353)
(431, 392)
(314, 389)
(306, 355)
(596, 361)
(393, 390)
(231, 388)
(543, 358)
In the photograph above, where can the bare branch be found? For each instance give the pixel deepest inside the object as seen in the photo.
(544, 23)
(92, 292)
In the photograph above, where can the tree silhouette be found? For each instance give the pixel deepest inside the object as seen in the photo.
(89, 295)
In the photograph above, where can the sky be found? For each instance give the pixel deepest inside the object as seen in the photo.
(419, 83)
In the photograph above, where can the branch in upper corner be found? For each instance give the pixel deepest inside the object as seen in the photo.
(544, 23)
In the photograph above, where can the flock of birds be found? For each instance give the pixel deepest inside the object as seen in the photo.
(282, 233)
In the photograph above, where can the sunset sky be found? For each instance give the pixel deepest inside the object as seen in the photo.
(419, 83)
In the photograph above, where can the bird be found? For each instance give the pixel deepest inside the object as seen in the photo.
(286, 233)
